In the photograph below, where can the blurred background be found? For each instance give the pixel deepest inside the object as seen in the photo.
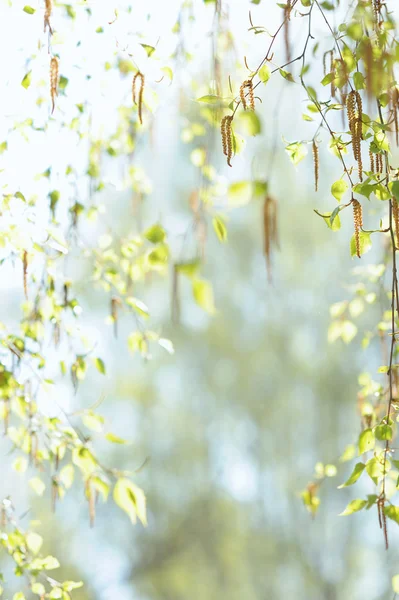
(234, 422)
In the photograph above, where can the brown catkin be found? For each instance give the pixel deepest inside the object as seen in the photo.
(354, 110)
(379, 163)
(227, 137)
(54, 77)
(394, 105)
(270, 237)
(315, 150)
(332, 70)
(371, 155)
(25, 272)
(139, 101)
(47, 15)
(247, 85)
(395, 213)
(358, 223)
(287, 15)
(224, 135)
(242, 96)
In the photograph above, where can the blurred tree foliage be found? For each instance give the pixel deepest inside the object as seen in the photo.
(159, 359)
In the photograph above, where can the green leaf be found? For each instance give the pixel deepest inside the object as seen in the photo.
(68, 586)
(240, 193)
(203, 295)
(29, 9)
(155, 234)
(93, 421)
(67, 475)
(37, 485)
(149, 49)
(84, 460)
(328, 78)
(348, 453)
(210, 99)
(394, 187)
(114, 439)
(131, 499)
(353, 507)
(392, 512)
(38, 589)
(366, 441)
(296, 151)
(358, 80)
(332, 220)
(248, 123)
(357, 471)
(166, 345)
(365, 189)
(99, 364)
(383, 432)
(287, 75)
(50, 563)
(338, 189)
(264, 73)
(365, 243)
(395, 584)
(138, 306)
(220, 228)
(27, 80)
(34, 541)
(374, 469)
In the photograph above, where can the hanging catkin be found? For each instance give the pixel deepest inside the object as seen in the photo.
(315, 151)
(47, 15)
(247, 85)
(395, 213)
(54, 77)
(270, 237)
(354, 110)
(227, 137)
(357, 223)
(138, 101)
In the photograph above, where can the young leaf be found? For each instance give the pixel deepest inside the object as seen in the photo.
(353, 507)
(264, 73)
(357, 471)
(203, 295)
(338, 189)
(220, 228)
(365, 243)
(366, 441)
(131, 499)
(26, 81)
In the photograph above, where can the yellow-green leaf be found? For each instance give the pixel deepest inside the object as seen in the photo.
(203, 295)
(131, 499)
(353, 507)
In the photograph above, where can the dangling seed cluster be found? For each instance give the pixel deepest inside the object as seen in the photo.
(270, 238)
(25, 272)
(139, 101)
(227, 137)
(247, 85)
(54, 77)
(358, 223)
(47, 15)
(379, 167)
(354, 110)
(395, 213)
(371, 155)
(315, 150)
(394, 106)
(376, 10)
(287, 14)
